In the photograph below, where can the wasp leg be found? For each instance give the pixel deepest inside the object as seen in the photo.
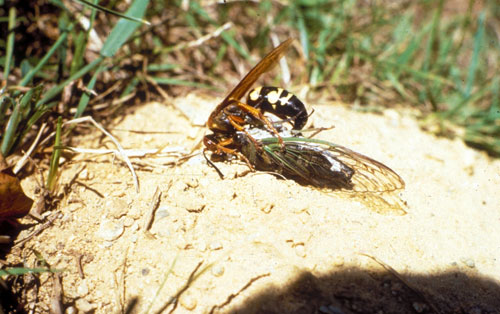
(221, 175)
(220, 147)
(258, 115)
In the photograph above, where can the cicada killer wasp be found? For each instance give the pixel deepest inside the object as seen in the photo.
(316, 162)
(231, 115)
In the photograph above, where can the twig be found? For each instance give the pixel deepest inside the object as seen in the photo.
(79, 265)
(49, 222)
(152, 209)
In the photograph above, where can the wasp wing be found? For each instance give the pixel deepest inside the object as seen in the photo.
(266, 64)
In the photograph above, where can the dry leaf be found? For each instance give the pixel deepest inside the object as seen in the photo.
(13, 202)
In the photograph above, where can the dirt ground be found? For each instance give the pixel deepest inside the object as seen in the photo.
(254, 243)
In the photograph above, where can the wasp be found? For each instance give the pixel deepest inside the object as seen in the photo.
(231, 115)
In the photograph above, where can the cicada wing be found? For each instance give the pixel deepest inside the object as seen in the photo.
(369, 174)
(325, 164)
(311, 164)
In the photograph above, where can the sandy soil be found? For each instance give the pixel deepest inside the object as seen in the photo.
(253, 243)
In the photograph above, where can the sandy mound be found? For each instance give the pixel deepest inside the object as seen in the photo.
(255, 243)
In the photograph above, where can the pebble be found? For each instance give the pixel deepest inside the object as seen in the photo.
(84, 306)
(71, 310)
(82, 289)
(188, 302)
(128, 221)
(217, 270)
(300, 250)
(267, 209)
(162, 212)
(85, 175)
(109, 230)
(116, 207)
(469, 262)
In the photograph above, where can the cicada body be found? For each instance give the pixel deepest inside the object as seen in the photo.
(318, 163)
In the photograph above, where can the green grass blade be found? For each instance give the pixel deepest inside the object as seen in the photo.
(10, 43)
(494, 112)
(104, 9)
(54, 91)
(478, 42)
(124, 28)
(17, 271)
(80, 45)
(164, 281)
(61, 40)
(21, 109)
(54, 161)
(84, 100)
(10, 130)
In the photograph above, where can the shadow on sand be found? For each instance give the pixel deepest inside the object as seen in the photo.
(360, 291)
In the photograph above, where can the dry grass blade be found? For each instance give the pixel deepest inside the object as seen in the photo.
(121, 151)
(403, 280)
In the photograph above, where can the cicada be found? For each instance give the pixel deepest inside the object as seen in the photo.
(316, 162)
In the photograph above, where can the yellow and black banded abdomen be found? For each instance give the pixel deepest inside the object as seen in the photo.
(279, 102)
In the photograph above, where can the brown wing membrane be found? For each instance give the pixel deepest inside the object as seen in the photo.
(370, 175)
(263, 66)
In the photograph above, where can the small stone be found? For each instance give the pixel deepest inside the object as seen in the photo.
(300, 250)
(116, 207)
(162, 212)
(84, 175)
(267, 208)
(469, 262)
(109, 230)
(217, 270)
(70, 310)
(128, 221)
(84, 306)
(134, 227)
(82, 289)
(188, 302)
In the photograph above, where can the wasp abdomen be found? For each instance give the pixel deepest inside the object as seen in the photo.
(279, 102)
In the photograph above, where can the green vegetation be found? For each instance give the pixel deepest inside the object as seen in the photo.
(432, 55)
